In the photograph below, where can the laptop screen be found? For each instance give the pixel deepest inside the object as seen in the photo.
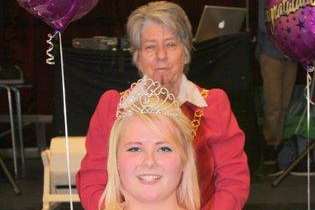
(218, 21)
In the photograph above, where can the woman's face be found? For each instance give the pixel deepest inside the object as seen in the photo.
(149, 164)
(161, 56)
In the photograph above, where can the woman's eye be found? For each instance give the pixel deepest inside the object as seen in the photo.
(165, 149)
(133, 149)
(171, 44)
(150, 47)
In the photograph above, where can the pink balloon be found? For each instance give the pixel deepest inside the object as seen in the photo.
(58, 13)
(293, 31)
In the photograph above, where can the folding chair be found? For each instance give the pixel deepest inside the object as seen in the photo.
(56, 187)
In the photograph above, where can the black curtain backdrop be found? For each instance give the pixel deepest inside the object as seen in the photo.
(2, 31)
(223, 62)
(2, 19)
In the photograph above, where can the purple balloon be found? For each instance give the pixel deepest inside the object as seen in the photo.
(58, 13)
(293, 32)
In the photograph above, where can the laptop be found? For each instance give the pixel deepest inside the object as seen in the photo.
(218, 21)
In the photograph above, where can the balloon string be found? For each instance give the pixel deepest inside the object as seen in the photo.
(310, 68)
(308, 83)
(51, 59)
(309, 93)
(65, 121)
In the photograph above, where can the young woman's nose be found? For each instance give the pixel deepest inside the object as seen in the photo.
(149, 159)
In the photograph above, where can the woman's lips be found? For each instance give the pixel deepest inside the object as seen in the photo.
(161, 68)
(149, 178)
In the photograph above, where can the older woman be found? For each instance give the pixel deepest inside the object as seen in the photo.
(151, 162)
(161, 39)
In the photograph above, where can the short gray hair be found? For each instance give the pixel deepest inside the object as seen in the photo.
(165, 13)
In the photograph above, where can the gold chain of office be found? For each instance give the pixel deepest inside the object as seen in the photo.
(198, 114)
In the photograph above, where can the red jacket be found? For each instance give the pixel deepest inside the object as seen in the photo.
(221, 161)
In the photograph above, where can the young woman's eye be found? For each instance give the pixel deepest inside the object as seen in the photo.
(165, 149)
(133, 149)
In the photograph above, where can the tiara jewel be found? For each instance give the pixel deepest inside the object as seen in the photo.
(147, 97)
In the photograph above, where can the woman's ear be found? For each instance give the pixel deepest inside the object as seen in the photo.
(186, 57)
(185, 60)
(135, 59)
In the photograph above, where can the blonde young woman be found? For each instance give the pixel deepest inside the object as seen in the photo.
(151, 163)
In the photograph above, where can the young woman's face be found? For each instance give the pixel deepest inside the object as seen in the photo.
(149, 163)
(161, 56)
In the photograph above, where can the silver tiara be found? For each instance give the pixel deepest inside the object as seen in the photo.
(147, 97)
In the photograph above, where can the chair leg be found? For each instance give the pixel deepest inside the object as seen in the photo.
(46, 185)
(46, 206)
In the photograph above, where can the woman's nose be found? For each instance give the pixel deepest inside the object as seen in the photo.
(149, 159)
(161, 53)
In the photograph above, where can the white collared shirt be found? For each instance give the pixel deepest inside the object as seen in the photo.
(189, 92)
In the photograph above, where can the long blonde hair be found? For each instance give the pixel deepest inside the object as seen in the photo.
(188, 193)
